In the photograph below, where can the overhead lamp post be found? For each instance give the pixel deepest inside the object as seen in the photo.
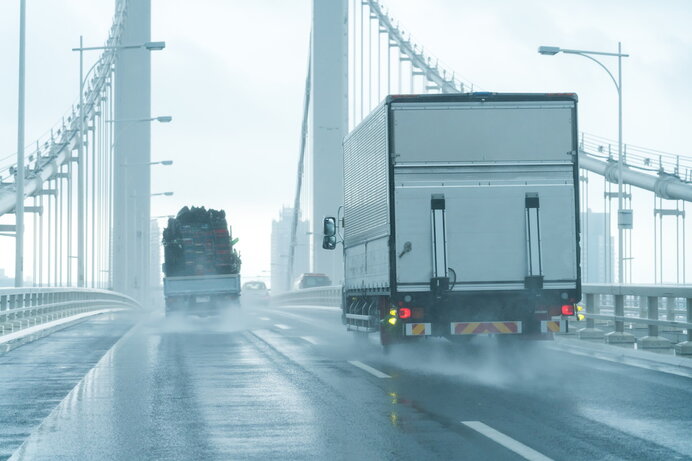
(151, 46)
(622, 222)
(19, 178)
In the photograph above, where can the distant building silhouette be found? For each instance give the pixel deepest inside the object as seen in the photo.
(597, 248)
(281, 240)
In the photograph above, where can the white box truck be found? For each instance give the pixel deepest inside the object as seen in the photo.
(461, 216)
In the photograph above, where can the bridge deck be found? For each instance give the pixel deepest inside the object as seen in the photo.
(289, 383)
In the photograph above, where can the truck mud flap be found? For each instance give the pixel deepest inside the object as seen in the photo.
(418, 329)
(554, 326)
(486, 328)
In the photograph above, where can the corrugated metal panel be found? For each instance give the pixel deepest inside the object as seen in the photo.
(366, 197)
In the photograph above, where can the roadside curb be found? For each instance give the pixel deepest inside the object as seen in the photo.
(19, 338)
(626, 356)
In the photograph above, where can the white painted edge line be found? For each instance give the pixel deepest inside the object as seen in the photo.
(506, 441)
(369, 369)
(44, 326)
(265, 318)
(70, 398)
(310, 339)
(282, 326)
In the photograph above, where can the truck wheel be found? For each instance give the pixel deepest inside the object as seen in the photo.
(171, 306)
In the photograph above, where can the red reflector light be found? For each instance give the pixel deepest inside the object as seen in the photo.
(568, 309)
(404, 313)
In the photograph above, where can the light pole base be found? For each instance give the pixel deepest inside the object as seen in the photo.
(616, 337)
(591, 333)
(654, 342)
(683, 348)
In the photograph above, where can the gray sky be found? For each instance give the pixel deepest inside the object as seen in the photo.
(233, 72)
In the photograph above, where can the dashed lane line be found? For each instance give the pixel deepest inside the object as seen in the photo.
(310, 339)
(369, 369)
(282, 326)
(506, 441)
(265, 318)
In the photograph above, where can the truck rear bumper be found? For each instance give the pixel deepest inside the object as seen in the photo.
(486, 328)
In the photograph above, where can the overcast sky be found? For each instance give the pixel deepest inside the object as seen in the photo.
(232, 76)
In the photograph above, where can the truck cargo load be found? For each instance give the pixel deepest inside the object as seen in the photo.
(461, 216)
(201, 266)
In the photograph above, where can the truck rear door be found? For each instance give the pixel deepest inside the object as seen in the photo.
(487, 189)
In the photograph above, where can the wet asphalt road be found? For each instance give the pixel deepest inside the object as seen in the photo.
(290, 383)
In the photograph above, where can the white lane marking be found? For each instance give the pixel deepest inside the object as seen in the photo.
(265, 318)
(281, 326)
(506, 441)
(369, 369)
(310, 339)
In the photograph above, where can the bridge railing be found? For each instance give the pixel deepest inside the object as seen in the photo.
(644, 302)
(21, 308)
(609, 305)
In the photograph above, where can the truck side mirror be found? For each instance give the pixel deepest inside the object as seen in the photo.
(329, 242)
(329, 227)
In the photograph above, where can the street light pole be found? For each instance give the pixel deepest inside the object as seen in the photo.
(621, 231)
(19, 181)
(149, 46)
(553, 50)
(80, 171)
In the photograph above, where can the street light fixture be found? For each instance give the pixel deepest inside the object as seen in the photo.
(161, 119)
(167, 194)
(150, 46)
(624, 216)
(161, 162)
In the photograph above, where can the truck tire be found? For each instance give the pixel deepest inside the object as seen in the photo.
(172, 305)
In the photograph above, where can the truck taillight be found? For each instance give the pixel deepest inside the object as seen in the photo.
(404, 313)
(568, 309)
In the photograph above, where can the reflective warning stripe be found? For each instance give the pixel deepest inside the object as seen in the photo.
(485, 328)
(553, 326)
(418, 329)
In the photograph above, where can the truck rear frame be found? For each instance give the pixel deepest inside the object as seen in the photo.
(461, 216)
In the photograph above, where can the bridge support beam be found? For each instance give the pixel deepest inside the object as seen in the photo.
(685, 347)
(328, 124)
(132, 189)
(619, 336)
(591, 332)
(652, 340)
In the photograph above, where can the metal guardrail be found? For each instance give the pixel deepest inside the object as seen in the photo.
(22, 308)
(318, 296)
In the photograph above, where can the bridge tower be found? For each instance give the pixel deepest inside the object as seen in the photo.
(328, 124)
(132, 186)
